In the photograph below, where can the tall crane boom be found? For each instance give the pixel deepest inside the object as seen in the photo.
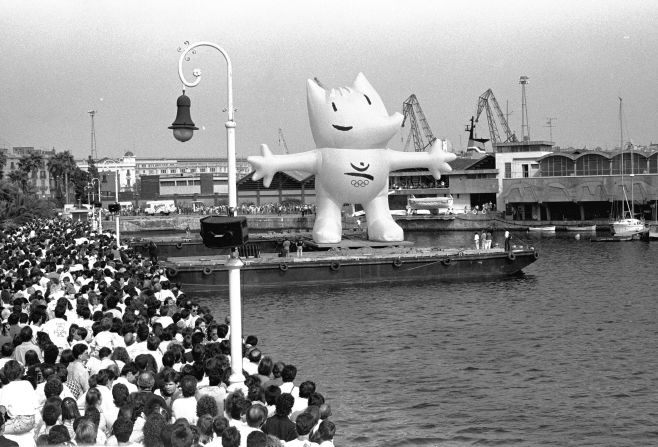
(484, 104)
(412, 112)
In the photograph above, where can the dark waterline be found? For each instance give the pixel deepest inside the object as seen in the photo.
(563, 355)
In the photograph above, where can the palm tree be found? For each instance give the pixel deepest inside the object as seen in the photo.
(61, 166)
(3, 162)
(29, 164)
(17, 177)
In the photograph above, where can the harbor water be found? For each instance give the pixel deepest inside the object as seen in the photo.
(563, 355)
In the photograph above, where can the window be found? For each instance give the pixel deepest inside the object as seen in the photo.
(508, 170)
(557, 166)
(211, 169)
(163, 171)
(525, 170)
(592, 164)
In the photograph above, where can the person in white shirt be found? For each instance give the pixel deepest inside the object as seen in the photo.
(128, 377)
(288, 375)
(254, 417)
(303, 424)
(139, 347)
(105, 337)
(185, 407)
(58, 327)
(325, 434)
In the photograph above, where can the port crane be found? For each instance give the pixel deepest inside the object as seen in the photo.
(485, 102)
(413, 112)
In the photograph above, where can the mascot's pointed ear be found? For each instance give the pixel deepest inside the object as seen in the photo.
(361, 84)
(315, 92)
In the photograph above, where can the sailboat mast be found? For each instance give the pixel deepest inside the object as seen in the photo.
(621, 156)
(632, 189)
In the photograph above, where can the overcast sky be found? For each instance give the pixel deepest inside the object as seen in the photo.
(64, 58)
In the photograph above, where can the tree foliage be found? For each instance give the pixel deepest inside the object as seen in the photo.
(62, 166)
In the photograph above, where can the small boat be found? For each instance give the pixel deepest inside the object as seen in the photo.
(545, 229)
(612, 238)
(582, 228)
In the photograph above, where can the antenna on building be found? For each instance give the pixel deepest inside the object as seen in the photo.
(550, 125)
(94, 154)
(525, 127)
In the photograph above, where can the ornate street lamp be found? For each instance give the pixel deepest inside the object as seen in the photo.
(184, 128)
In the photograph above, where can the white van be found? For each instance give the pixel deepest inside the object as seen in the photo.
(163, 207)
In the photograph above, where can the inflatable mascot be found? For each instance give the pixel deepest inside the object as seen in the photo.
(351, 128)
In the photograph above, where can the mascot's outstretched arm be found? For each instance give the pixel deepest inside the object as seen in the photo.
(268, 164)
(436, 159)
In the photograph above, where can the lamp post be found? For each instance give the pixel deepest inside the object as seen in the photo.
(116, 199)
(183, 129)
(100, 210)
(90, 193)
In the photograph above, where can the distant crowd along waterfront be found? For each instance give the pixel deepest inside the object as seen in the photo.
(100, 348)
(242, 209)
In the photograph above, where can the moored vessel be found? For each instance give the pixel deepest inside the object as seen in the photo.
(582, 228)
(544, 229)
(357, 265)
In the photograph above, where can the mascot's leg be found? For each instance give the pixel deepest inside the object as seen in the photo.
(327, 228)
(381, 226)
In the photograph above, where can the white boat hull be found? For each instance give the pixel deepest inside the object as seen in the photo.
(547, 229)
(625, 227)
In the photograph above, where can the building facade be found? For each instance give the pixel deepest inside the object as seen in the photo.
(585, 185)
(40, 179)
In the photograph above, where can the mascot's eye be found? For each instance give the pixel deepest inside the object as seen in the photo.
(333, 105)
(368, 99)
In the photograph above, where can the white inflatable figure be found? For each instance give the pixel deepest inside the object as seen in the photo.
(351, 128)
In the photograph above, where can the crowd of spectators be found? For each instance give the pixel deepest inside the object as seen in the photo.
(251, 208)
(98, 347)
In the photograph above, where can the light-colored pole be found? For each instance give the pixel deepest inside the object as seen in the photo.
(116, 198)
(233, 263)
(100, 210)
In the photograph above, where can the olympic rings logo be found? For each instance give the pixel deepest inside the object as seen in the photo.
(360, 183)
